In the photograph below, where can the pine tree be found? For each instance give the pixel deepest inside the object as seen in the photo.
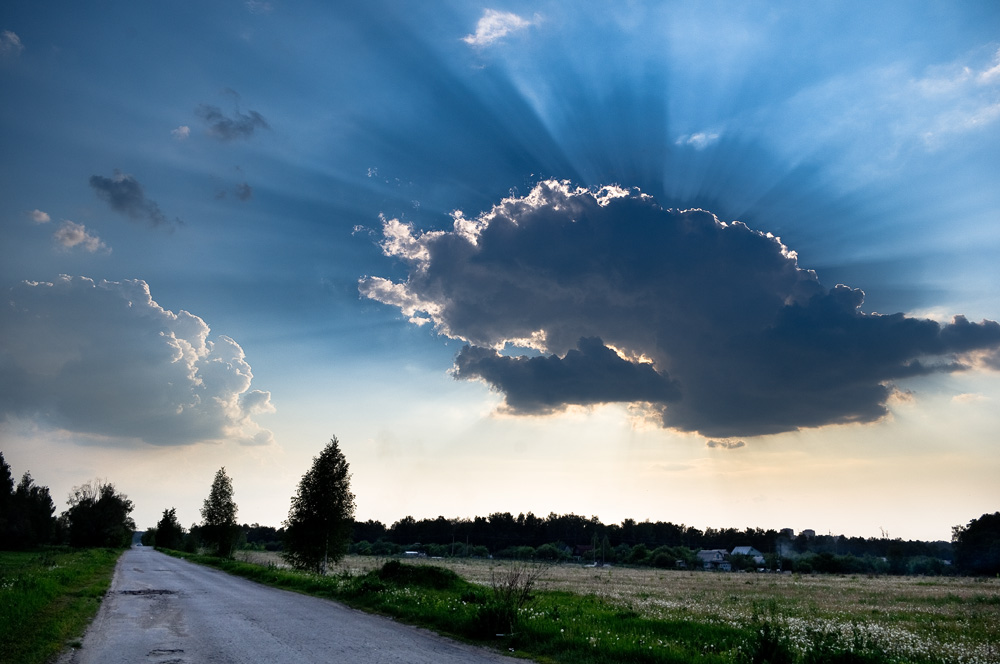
(219, 527)
(318, 528)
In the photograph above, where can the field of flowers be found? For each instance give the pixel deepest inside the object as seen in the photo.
(939, 619)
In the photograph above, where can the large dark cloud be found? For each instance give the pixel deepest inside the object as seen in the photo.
(225, 128)
(713, 324)
(125, 195)
(104, 360)
(591, 375)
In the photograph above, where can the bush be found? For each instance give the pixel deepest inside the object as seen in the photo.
(550, 552)
(516, 553)
(511, 590)
(638, 555)
(423, 576)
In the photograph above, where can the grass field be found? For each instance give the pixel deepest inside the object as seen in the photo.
(813, 618)
(48, 598)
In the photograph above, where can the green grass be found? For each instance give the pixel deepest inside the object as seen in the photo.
(558, 626)
(47, 599)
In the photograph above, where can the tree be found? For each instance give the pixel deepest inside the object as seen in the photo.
(318, 528)
(98, 516)
(977, 545)
(26, 511)
(6, 503)
(219, 528)
(169, 533)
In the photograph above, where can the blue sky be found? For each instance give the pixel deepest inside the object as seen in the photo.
(466, 239)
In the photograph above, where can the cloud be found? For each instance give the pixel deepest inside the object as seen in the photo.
(224, 128)
(10, 44)
(103, 360)
(256, 7)
(72, 234)
(243, 191)
(495, 25)
(126, 196)
(589, 375)
(714, 325)
(699, 140)
(181, 133)
(727, 444)
(969, 398)
(881, 112)
(40, 217)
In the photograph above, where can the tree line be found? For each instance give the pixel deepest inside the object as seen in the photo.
(503, 530)
(98, 514)
(320, 529)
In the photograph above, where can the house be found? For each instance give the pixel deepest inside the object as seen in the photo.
(715, 559)
(750, 552)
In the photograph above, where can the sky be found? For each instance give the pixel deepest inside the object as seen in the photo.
(725, 264)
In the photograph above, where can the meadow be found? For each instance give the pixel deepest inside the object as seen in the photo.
(48, 597)
(642, 614)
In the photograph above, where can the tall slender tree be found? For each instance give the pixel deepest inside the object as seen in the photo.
(219, 528)
(318, 528)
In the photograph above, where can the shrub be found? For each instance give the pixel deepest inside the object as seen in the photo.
(510, 591)
(423, 576)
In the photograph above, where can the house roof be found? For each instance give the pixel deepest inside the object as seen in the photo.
(712, 554)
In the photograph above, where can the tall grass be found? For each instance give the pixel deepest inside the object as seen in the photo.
(47, 599)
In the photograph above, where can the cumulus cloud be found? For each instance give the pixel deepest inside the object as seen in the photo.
(40, 217)
(495, 25)
(10, 44)
(105, 361)
(713, 325)
(181, 133)
(125, 195)
(225, 128)
(71, 234)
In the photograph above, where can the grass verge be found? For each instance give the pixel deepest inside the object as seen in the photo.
(562, 627)
(47, 599)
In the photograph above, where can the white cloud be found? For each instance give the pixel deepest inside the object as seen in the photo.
(969, 397)
(987, 76)
(40, 217)
(961, 98)
(181, 133)
(10, 44)
(495, 25)
(72, 234)
(257, 7)
(699, 140)
(105, 361)
(881, 113)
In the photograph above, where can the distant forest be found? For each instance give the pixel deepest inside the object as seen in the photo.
(661, 544)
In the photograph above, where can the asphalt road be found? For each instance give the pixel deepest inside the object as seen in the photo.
(161, 610)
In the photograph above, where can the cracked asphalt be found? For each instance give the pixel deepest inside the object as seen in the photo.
(162, 610)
